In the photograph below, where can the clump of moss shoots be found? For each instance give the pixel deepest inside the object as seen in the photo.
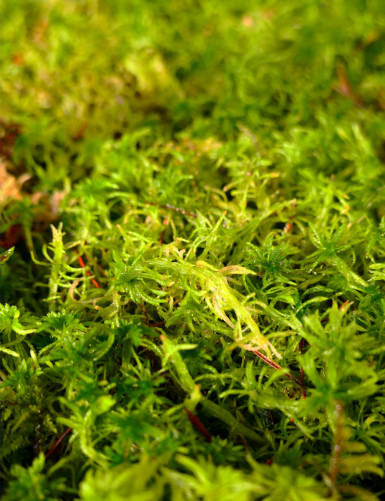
(192, 231)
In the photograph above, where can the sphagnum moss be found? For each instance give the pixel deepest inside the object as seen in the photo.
(193, 238)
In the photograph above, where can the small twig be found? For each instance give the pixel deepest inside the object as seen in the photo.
(80, 132)
(344, 87)
(57, 443)
(342, 307)
(89, 274)
(276, 366)
(197, 423)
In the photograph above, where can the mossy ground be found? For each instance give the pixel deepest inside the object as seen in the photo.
(195, 194)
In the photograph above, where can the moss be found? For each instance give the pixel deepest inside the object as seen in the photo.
(192, 232)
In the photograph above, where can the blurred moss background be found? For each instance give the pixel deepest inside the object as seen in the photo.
(78, 71)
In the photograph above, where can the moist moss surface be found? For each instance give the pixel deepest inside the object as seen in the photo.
(192, 231)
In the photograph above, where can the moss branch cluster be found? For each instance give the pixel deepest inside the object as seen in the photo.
(192, 232)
